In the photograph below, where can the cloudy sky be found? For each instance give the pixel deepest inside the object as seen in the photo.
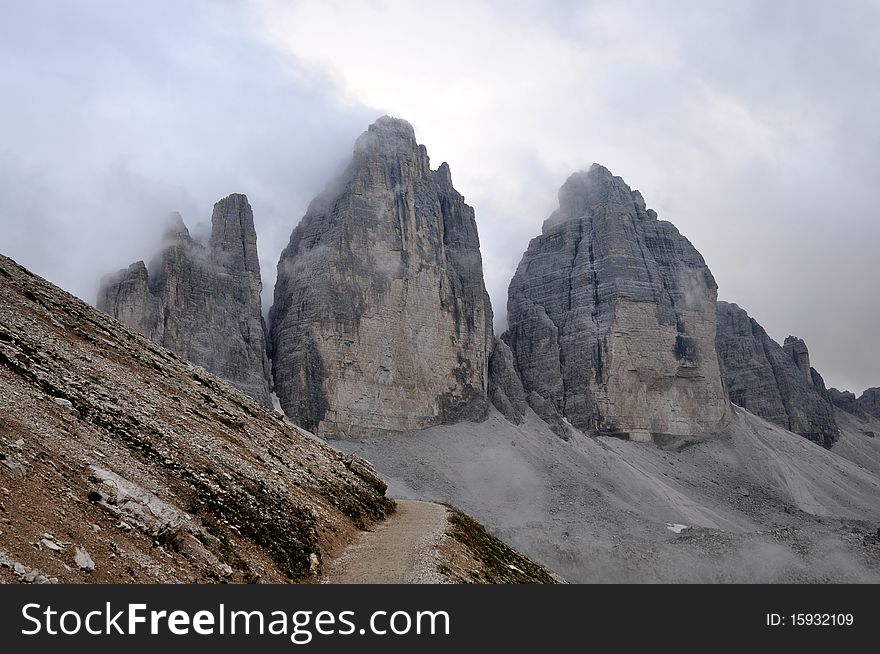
(750, 125)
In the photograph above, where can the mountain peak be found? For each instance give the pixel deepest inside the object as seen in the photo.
(175, 229)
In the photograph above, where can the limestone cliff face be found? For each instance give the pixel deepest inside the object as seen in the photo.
(797, 350)
(868, 404)
(381, 318)
(201, 301)
(612, 318)
(774, 382)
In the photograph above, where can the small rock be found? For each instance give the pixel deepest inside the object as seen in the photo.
(124, 526)
(15, 467)
(30, 577)
(41, 579)
(226, 569)
(18, 444)
(83, 560)
(96, 528)
(19, 569)
(65, 404)
(314, 563)
(51, 544)
(744, 491)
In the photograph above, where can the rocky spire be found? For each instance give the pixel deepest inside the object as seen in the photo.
(797, 350)
(201, 301)
(381, 318)
(612, 318)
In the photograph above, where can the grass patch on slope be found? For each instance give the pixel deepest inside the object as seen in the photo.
(499, 563)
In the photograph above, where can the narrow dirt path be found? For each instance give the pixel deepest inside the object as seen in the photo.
(401, 550)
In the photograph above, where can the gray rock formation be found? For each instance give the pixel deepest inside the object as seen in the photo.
(847, 401)
(505, 388)
(612, 318)
(869, 401)
(381, 318)
(868, 404)
(797, 350)
(772, 381)
(201, 300)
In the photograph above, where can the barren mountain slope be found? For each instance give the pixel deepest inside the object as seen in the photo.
(752, 502)
(859, 439)
(121, 462)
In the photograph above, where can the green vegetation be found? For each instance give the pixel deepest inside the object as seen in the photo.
(500, 564)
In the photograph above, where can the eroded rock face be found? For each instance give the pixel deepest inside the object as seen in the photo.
(797, 350)
(381, 318)
(612, 318)
(868, 404)
(846, 400)
(201, 300)
(772, 381)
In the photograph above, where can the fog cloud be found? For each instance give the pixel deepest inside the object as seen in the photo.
(116, 114)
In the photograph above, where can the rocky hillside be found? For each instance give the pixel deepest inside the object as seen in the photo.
(772, 381)
(202, 300)
(121, 462)
(612, 318)
(381, 318)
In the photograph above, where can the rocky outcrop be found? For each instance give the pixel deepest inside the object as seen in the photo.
(201, 300)
(772, 381)
(868, 404)
(505, 389)
(381, 319)
(869, 401)
(797, 350)
(612, 318)
(846, 400)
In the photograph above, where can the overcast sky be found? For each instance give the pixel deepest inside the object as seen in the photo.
(752, 126)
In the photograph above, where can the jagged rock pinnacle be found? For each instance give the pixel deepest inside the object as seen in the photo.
(612, 318)
(381, 318)
(201, 301)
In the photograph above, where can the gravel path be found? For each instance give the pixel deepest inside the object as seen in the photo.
(401, 550)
